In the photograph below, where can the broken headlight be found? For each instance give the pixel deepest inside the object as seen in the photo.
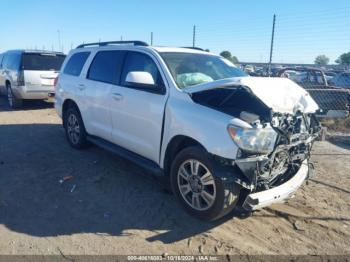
(256, 140)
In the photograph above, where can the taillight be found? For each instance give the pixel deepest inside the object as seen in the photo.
(20, 78)
(55, 81)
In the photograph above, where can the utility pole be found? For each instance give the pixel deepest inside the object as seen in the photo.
(59, 40)
(271, 48)
(194, 36)
(151, 38)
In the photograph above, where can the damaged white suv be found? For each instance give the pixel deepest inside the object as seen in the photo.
(223, 139)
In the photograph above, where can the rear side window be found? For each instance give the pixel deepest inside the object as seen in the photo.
(42, 61)
(12, 61)
(1, 57)
(76, 63)
(106, 67)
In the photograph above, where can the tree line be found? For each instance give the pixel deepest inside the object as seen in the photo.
(344, 59)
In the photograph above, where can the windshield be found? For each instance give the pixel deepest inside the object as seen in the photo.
(42, 62)
(190, 69)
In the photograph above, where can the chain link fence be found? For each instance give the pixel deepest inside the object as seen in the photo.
(330, 88)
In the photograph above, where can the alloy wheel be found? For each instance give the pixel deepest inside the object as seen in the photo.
(73, 129)
(196, 184)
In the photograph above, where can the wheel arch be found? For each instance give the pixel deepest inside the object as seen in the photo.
(67, 104)
(176, 144)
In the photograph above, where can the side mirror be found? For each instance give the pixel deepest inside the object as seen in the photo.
(142, 79)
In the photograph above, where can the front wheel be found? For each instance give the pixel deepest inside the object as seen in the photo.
(198, 190)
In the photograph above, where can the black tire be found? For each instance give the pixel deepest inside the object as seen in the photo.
(11, 99)
(79, 140)
(226, 196)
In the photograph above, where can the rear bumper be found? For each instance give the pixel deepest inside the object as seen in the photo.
(277, 194)
(23, 92)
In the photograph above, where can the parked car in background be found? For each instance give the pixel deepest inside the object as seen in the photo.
(28, 74)
(274, 70)
(329, 75)
(249, 69)
(314, 80)
(221, 138)
(341, 80)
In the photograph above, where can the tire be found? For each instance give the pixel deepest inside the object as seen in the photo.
(75, 129)
(203, 195)
(11, 99)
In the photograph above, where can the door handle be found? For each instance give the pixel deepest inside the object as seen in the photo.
(117, 96)
(81, 87)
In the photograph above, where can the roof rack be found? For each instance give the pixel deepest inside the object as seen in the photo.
(195, 48)
(136, 43)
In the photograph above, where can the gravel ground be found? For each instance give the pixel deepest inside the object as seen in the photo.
(115, 208)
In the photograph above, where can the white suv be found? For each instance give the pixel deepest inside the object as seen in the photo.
(223, 139)
(28, 74)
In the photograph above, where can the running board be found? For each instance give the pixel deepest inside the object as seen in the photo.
(141, 161)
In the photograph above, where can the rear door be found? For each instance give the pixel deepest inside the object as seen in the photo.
(40, 70)
(104, 73)
(137, 113)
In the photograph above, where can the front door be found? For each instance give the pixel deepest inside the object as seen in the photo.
(137, 113)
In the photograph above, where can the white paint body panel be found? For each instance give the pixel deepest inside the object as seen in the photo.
(280, 94)
(280, 193)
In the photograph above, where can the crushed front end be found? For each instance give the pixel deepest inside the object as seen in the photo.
(274, 127)
(277, 175)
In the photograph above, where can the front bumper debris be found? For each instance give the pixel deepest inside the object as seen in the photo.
(277, 194)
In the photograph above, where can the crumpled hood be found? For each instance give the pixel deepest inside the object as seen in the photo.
(280, 94)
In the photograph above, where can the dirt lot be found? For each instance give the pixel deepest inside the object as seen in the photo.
(117, 209)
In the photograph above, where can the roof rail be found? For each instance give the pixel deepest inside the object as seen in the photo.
(195, 48)
(136, 43)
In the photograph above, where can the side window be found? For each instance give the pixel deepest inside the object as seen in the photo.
(106, 67)
(76, 63)
(17, 61)
(1, 57)
(136, 61)
(5, 61)
(13, 61)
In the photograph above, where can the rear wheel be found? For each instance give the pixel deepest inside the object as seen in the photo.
(12, 100)
(75, 129)
(198, 190)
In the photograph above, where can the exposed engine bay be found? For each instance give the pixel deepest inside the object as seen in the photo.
(295, 135)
